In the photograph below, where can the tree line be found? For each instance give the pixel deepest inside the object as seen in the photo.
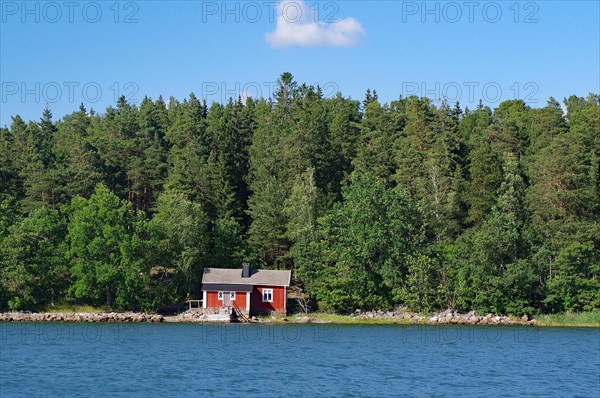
(372, 205)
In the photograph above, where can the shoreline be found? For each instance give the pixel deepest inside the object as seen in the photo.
(371, 318)
(358, 318)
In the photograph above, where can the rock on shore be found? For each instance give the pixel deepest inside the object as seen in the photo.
(80, 317)
(448, 317)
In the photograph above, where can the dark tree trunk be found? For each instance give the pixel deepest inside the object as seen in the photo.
(109, 297)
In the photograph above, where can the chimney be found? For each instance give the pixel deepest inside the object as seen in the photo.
(245, 270)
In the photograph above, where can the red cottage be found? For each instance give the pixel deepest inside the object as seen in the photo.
(254, 291)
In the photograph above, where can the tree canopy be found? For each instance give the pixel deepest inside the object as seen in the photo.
(372, 205)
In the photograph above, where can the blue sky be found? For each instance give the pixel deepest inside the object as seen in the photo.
(65, 53)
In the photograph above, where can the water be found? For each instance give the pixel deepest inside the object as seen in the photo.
(240, 360)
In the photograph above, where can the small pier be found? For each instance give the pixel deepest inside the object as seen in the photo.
(195, 313)
(225, 314)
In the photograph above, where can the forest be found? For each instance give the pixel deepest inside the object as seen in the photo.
(416, 203)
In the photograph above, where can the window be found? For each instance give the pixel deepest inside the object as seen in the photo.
(267, 295)
(220, 295)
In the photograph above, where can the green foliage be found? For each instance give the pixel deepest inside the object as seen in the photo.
(372, 205)
(32, 267)
(485, 179)
(421, 284)
(267, 233)
(78, 167)
(302, 209)
(574, 285)
(367, 242)
(104, 251)
(179, 242)
(227, 248)
(375, 153)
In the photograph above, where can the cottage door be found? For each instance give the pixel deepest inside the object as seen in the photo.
(226, 299)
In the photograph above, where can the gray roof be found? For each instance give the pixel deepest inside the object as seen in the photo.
(221, 287)
(257, 277)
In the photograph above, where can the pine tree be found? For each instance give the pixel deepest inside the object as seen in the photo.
(37, 163)
(485, 179)
(78, 166)
(10, 183)
(376, 141)
(344, 133)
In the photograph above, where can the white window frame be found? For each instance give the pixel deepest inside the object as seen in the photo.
(267, 292)
(220, 296)
(232, 295)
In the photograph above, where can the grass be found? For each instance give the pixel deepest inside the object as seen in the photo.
(583, 319)
(72, 309)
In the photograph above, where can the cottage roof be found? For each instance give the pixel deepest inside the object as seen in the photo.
(223, 287)
(257, 277)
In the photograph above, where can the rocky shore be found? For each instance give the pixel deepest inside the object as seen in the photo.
(444, 318)
(80, 317)
(448, 317)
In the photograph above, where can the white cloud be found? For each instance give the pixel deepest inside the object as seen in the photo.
(297, 26)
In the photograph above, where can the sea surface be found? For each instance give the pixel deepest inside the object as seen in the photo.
(308, 360)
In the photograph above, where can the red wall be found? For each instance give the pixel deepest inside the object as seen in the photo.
(240, 300)
(278, 304)
(212, 300)
(256, 303)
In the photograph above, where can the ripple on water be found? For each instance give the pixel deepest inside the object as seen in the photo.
(303, 361)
